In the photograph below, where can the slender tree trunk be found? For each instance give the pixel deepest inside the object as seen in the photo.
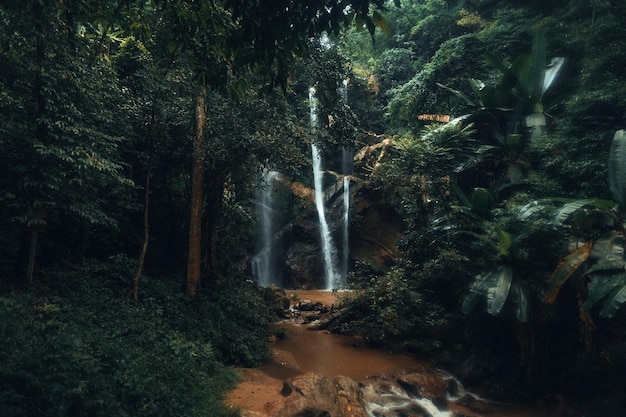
(194, 257)
(214, 192)
(146, 237)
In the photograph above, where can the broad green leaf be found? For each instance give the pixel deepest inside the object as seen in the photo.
(617, 168)
(615, 300)
(609, 248)
(600, 286)
(504, 242)
(498, 293)
(562, 214)
(480, 200)
(480, 288)
(461, 196)
(540, 206)
(520, 297)
(565, 270)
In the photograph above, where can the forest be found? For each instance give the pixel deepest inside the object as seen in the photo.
(487, 166)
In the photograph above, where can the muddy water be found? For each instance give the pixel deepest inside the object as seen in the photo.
(331, 355)
(306, 350)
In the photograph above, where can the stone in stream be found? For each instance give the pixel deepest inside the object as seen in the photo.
(313, 394)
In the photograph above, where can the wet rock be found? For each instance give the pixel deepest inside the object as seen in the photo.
(473, 404)
(425, 384)
(309, 305)
(318, 395)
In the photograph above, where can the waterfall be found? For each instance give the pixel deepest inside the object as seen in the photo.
(346, 168)
(263, 264)
(328, 250)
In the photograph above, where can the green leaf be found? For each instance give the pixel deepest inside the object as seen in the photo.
(480, 200)
(609, 248)
(498, 293)
(504, 242)
(520, 297)
(562, 214)
(617, 168)
(477, 290)
(599, 286)
(615, 300)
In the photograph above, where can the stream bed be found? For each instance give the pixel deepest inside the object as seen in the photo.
(379, 379)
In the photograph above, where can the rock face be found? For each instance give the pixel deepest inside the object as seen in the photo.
(374, 241)
(375, 226)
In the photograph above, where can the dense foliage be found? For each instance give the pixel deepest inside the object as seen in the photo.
(106, 110)
(76, 346)
(503, 162)
(512, 252)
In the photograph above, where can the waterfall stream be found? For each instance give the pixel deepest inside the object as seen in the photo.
(346, 167)
(263, 264)
(328, 249)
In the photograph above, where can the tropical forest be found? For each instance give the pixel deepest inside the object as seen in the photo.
(312, 208)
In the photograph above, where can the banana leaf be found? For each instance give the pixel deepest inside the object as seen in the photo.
(600, 286)
(562, 214)
(504, 242)
(615, 301)
(498, 293)
(540, 206)
(520, 296)
(617, 168)
(609, 248)
(606, 286)
(480, 200)
(565, 270)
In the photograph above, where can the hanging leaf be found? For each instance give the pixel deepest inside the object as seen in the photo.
(566, 269)
(562, 214)
(600, 286)
(617, 168)
(520, 296)
(498, 293)
(609, 248)
(480, 200)
(504, 242)
(481, 284)
(540, 206)
(615, 300)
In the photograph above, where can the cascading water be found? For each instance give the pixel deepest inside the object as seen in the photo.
(263, 264)
(346, 167)
(328, 249)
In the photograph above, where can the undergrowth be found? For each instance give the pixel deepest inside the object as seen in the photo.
(74, 345)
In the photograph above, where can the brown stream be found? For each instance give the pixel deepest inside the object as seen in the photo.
(331, 355)
(306, 350)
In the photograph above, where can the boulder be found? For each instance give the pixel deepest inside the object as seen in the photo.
(418, 393)
(315, 395)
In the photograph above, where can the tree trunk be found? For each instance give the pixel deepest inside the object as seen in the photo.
(214, 192)
(194, 256)
(146, 237)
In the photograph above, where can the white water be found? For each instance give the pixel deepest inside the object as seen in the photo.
(328, 249)
(263, 263)
(398, 402)
(346, 229)
(346, 166)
